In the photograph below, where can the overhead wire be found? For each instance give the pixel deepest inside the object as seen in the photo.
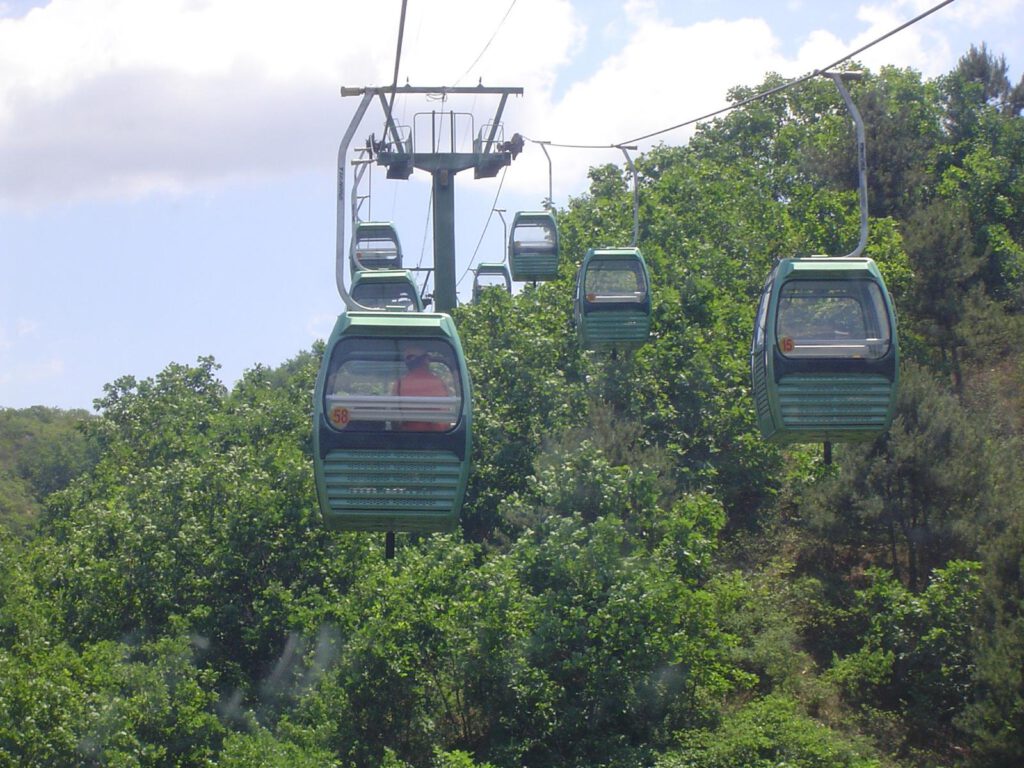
(798, 80)
(757, 96)
(488, 43)
(394, 82)
(624, 144)
(443, 98)
(487, 223)
(391, 104)
(483, 51)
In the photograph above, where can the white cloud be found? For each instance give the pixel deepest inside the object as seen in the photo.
(663, 75)
(666, 73)
(925, 46)
(119, 98)
(917, 46)
(22, 328)
(52, 50)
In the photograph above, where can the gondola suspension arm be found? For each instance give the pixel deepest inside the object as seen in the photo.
(549, 204)
(636, 193)
(862, 163)
(339, 247)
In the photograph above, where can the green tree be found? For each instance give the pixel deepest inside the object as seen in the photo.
(41, 451)
(903, 498)
(766, 733)
(916, 658)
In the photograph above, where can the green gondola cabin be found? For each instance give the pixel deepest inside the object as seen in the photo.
(533, 250)
(391, 290)
(612, 301)
(392, 423)
(375, 245)
(824, 359)
(490, 275)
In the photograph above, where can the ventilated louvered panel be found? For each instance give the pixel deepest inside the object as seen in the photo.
(759, 377)
(371, 490)
(616, 328)
(835, 407)
(534, 266)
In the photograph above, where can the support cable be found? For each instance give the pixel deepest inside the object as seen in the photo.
(756, 96)
(488, 44)
(486, 224)
(799, 80)
(426, 230)
(636, 195)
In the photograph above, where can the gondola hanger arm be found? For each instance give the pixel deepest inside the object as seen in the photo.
(636, 192)
(862, 162)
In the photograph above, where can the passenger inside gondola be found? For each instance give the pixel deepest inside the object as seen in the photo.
(420, 381)
(376, 384)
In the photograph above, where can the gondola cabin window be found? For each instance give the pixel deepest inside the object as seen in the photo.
(614, 280)
(829, 319)
(376, 253)
(761, 323)
(534, 237)
(378, 384)
(485, 280)
(387, 296)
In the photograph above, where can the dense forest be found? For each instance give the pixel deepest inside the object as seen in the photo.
(639, 579)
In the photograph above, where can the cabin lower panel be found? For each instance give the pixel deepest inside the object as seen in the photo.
(826, 407)
(534, 267)
(618, 328)
(382, 490)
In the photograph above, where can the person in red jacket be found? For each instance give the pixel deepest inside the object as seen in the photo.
(420, 381)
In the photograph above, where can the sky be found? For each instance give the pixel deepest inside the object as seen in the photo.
(168, 168)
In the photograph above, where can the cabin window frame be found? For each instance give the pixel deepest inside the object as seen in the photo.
(634, 268)
(367, 401)
(852, 298)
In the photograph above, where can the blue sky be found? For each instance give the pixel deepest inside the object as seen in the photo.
(167, 168)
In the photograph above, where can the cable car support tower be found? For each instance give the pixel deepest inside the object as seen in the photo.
(400, 155)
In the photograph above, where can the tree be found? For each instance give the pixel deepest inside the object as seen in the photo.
(915, 657)
(41, 451)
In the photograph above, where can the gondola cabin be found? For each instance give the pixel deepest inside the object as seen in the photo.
(824, 359)
(612, 302)
(375, 245)
(489, 275)
(533, 246)
(387, 289)
(391, 423)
